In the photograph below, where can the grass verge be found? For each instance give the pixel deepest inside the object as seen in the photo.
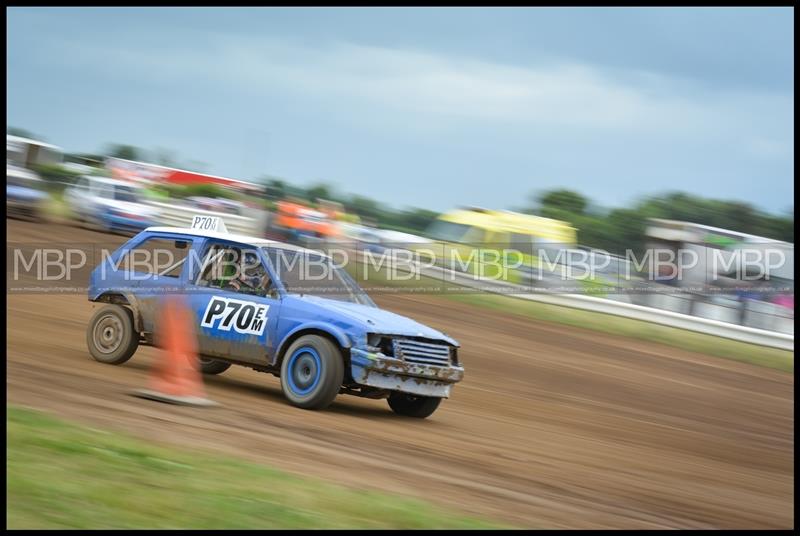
(60, 475)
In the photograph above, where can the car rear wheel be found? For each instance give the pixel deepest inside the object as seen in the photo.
(212, 366)
(312, 372)
(110, 335)
(412, 405)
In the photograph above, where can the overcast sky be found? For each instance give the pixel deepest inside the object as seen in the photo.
(427, 107)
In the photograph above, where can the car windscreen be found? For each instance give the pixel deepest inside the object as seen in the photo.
(447, 231)
(123, 193)
(308, 273)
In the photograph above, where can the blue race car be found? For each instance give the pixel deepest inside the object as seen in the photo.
(272, 307)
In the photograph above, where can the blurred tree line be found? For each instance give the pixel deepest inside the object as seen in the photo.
(613, 230)
(158, 156)
(618, 229)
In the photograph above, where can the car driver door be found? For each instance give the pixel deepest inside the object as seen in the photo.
(235, 322)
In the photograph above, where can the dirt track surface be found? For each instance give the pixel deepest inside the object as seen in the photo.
(553, 427)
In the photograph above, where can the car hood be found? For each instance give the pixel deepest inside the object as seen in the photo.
(376, 320)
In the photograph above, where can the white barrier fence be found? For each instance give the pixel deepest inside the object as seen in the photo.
(761, 337)
(699, 324)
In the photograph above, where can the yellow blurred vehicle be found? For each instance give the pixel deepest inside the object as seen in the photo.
(499, 244)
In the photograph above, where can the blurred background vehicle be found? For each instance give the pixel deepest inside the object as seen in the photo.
(297, 223)
(25, 194)
(25, 190)
(109, 205)
(385, 241)
(485, 233)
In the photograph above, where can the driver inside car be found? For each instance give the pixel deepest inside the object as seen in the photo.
(250, 275)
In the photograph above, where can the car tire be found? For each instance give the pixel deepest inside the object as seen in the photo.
(110, 335)
(212, 366)
(409, 405)
(312, 372)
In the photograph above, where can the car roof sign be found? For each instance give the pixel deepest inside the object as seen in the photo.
(208, 223)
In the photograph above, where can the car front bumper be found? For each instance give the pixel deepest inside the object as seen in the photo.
(384, 372)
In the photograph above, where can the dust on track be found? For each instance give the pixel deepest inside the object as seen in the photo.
(553, 426)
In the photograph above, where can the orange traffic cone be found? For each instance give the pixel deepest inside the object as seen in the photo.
(176, 377)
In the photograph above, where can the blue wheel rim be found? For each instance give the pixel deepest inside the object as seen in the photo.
(304, 370)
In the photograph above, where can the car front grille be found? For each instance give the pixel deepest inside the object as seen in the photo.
(422, 352)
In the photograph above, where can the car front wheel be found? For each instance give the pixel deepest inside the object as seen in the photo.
(312, 372)
(412, 405)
